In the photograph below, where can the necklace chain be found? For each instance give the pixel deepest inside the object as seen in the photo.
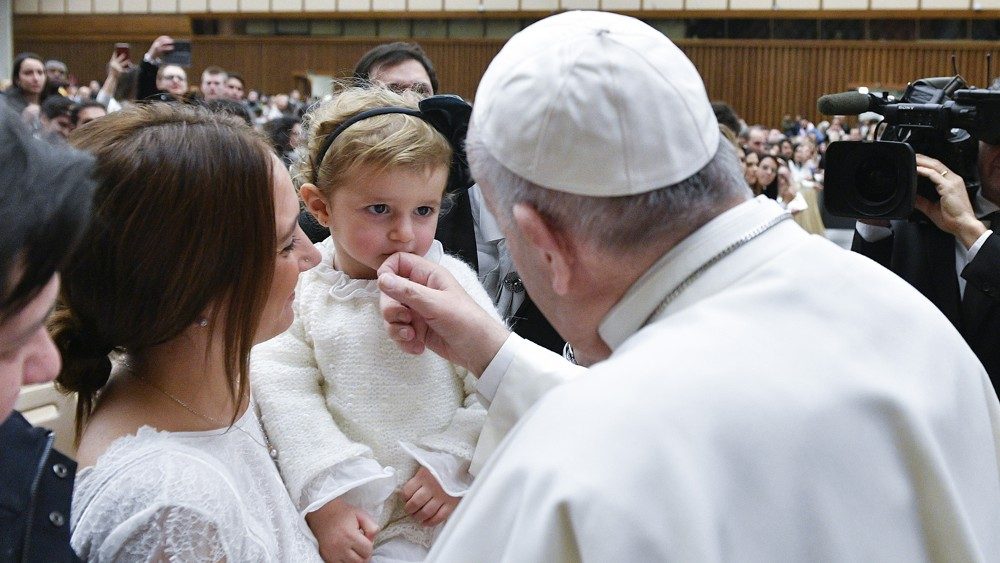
(749, 236)
(271, 450)
(756, 232)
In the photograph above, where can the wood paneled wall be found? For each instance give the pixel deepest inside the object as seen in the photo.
(766, 79)
(762, 80)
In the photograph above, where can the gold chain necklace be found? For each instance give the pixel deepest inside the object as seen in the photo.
(271, 450)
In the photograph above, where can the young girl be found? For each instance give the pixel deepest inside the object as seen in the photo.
(371, 438)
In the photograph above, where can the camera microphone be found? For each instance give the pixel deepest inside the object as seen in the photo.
(845, 103)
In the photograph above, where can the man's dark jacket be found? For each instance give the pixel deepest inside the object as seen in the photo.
(36, 487)
(457, 233)
(924, 256)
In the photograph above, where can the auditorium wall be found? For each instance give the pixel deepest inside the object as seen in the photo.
(761, 79)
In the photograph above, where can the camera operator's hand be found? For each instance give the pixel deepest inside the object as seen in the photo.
(953, 213)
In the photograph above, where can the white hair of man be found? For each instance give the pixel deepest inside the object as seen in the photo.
(621, 223)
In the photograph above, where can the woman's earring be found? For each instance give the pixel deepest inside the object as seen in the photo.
(202, 323)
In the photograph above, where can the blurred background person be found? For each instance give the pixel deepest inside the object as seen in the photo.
(27, 83)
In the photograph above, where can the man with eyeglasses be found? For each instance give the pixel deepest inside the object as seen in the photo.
(157, 79)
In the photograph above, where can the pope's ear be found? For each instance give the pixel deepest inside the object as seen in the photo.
(554, 252)
(315, 203)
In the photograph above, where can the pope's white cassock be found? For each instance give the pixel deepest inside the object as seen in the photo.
(796, 402)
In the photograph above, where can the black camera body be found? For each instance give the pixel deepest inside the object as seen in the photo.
(937, 117)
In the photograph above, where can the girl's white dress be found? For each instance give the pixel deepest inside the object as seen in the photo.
(188, 496)
(353, 415)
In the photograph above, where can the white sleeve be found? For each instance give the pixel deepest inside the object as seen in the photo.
(529, 373)
(287, 385)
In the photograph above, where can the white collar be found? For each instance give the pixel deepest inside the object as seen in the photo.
(344, 287)
(644, 296)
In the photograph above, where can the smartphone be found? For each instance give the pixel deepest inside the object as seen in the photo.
(122, 49)
(180, 56)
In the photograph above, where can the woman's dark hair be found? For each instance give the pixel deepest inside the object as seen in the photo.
(391, 54)
(771, 190)
(237, 76)
(279, 131)
(183, 224)
(44, 208)
(16, 67)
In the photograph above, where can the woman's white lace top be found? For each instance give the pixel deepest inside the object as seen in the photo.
(188, 496)
(352, 414)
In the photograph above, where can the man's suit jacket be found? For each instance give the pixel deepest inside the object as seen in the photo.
(924, 256)
(457, 233)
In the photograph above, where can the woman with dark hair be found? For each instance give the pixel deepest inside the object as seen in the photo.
(44, 208)
(28, 86)
(285, 133)
(192, 258)
(766, 180)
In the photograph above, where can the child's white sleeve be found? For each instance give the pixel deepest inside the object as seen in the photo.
(287, 385)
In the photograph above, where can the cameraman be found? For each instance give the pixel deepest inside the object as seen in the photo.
(956, 261)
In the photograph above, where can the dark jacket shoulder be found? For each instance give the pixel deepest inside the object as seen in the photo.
(36, 488)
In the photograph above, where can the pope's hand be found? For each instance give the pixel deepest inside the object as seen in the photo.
(423, 306)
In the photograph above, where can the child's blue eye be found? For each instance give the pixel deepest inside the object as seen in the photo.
(425, 210)
(379, 208)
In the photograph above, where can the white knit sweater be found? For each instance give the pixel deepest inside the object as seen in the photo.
(335, 388)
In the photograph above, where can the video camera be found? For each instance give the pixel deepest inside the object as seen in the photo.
(938, 117)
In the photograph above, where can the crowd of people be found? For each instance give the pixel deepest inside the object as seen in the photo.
(53, 104)
(51, 100)
(561, 324)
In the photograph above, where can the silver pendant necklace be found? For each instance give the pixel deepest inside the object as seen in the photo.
(271, 450)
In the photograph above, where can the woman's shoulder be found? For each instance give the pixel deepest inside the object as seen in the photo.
(152, 464)
(151, 485)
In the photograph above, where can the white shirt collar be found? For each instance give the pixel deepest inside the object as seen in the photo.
(640, 301)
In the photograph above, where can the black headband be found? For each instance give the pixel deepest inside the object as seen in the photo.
(448, 114)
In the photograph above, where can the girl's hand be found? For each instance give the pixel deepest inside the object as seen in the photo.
(345, 532)
(426, 501)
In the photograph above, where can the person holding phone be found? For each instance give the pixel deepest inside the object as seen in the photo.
(157, 78)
